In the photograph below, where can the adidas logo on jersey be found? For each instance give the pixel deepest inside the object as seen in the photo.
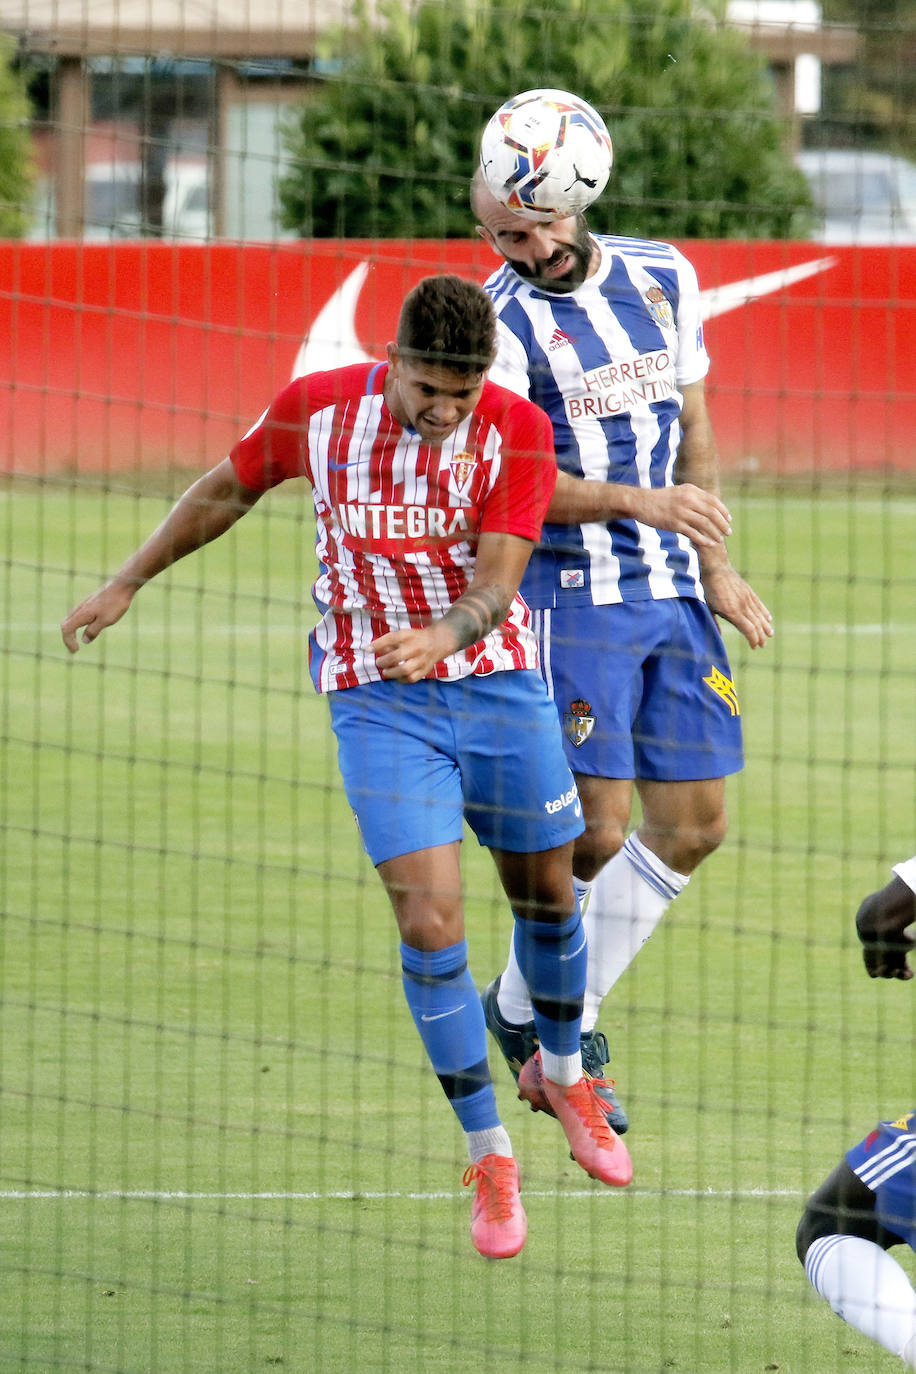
(558, 340)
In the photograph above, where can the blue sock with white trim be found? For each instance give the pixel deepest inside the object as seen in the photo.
(448, 1014)
(552, 957)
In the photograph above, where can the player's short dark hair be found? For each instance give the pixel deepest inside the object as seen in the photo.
(450, 321)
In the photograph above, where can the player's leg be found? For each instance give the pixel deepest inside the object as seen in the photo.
(551, 949)
(686, 737)
(842, 1242)
(595, 703)
(507, 1002)
(682, 823)
(425, 891)
(405, 789)
(511, 749)
(606, 804)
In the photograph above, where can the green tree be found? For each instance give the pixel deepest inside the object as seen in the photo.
(15, 148)
(386, 141)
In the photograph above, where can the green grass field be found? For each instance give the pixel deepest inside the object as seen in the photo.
(221, 1148)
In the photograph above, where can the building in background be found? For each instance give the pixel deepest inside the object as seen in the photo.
(159, 119)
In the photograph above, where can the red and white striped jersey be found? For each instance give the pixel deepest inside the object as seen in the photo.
(398, 518)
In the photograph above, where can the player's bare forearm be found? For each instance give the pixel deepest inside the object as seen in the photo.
(205, 511)
(410, 655)
(685, 509)
(478, 612)
(881, 923)
(693, 506)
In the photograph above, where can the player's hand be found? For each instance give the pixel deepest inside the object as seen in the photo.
(103, 608)
(411, 655)
(881, 922)
(685, 509)
(728, 595)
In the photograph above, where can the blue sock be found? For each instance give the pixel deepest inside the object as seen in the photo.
(552, 957)
(447, 1012)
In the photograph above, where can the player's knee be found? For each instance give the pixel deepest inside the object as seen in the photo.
(690, 843)
(712, 835)
(595, 847)
(427, 925)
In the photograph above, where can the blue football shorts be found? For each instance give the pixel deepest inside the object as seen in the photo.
(418, 758)
(885, 1161)
(643, 690)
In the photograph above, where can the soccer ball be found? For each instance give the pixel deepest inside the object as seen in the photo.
(546, 154)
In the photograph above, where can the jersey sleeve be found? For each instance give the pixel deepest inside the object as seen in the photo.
(907, 871)
(692, 358)
(275, 448)
(510, 370)
(527, 475)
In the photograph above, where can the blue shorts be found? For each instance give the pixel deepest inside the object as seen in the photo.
(885, 1161)
(643, 690)
(418, 758)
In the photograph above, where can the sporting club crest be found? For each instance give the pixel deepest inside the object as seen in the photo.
(462, 465)
(578, 722)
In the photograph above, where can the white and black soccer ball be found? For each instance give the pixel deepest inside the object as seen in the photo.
(546, 154)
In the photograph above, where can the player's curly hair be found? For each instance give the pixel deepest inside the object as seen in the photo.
(448, 320)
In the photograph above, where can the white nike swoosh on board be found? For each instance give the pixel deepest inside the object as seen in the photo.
(332, 340)
(441, 1014)
(718, 300)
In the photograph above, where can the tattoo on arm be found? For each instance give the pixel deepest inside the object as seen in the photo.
(476, 613)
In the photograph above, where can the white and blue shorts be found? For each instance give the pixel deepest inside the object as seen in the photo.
(417, 759)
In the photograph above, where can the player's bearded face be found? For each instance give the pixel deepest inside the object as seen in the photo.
(566, 266)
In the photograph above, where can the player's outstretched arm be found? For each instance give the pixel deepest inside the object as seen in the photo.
(205, 511)
(727, 593)
(693, 506)
(685, 509)
(881, 922)
(410, 655)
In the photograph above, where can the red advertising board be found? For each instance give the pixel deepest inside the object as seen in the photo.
(136, 355)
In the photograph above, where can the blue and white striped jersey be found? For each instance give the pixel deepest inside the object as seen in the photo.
(606, 362)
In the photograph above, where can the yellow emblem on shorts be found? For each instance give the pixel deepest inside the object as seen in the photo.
(724, 688)
(905, 1123)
